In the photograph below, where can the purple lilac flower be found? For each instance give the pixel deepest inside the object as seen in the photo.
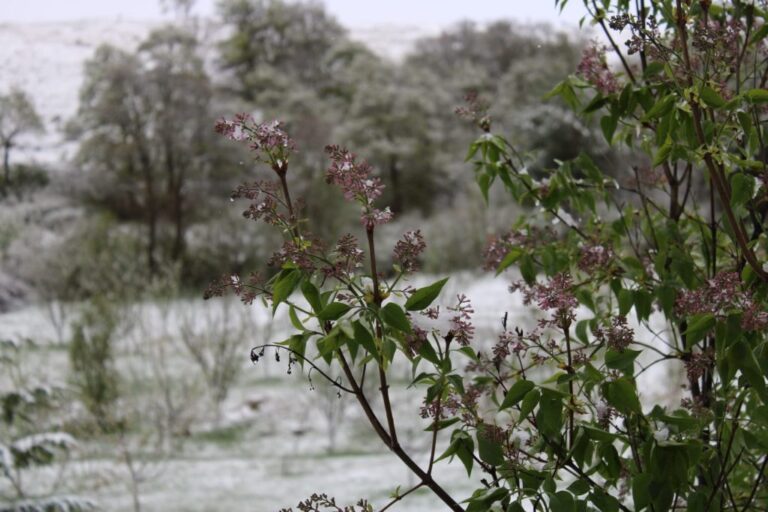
(408, 250)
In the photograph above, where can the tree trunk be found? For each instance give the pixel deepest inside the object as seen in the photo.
(151, 214)
(6, 168)
(178, 219)
(397, 192)
(176, 194)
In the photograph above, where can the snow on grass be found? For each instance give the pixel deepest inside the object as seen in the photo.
(269, 448)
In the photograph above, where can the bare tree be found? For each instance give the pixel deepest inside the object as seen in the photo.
(17, 117)
(218, 343)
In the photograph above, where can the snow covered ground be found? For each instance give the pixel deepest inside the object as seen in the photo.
(270, 448)
(46, 61)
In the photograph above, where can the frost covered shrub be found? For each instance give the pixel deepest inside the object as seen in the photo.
(30, 441)
(661, 262)
(91, 356)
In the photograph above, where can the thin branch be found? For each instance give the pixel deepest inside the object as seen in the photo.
(255, 357)
(401, 496)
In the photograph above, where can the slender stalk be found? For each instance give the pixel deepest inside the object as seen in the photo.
(426, 478)
(715, 170)
(377, 299)
(327, 377)
(401, 496)
(571, 413)
(601, 21)
(758, 481)
(435, 430)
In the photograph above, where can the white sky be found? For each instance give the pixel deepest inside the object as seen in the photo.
(351, 13)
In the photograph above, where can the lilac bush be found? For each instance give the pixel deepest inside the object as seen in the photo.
(552, 414)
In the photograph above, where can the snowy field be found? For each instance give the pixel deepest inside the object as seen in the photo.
(46, 60)
(270, 446)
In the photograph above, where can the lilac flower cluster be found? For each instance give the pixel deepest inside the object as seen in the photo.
(415, 340)
(618, 335)
(698, 363)
(594, 69)
(594, 257)
(264, 197)
(461, 325)
(498, 246)
(464, 404)
(475, 109)
(297, 252)
(348, 257)
(508, 343)
(356, 182)
(267, 138)
(721, 296)
(408, 250)
(554, 296)
(247, 291)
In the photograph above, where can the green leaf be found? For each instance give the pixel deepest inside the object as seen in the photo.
(660, 108)
(427, 352)
(608, 125)
(579, 487)
(643, 304)
(760, 34)
(653, 69)
(640, 490)
(443, 424)
(483, 499)
(549, 418)
(530, 401)
(464, 447)
(604, 501)
(625, 301)
(512, 256)
(711, 97)
(698, 327)
(312, 296)
(423, 297)
(394, 316)
(742, 188)
(744, 359)
(295, 319)
(623, 361)
(333, 311)
(286, 282)
(516, 393)
(328, 344)
(595, 104)
(598, 434)
(662, 154)
(527, 269)
(671, 460)
(562, 501)
(298, 343)
(489, 449)
(364, 338)
(622, 395)
(582, 333)
(757, 95)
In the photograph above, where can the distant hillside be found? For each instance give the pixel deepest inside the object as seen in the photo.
(46, 60)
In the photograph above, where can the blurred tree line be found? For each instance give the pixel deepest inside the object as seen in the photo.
(155, 177)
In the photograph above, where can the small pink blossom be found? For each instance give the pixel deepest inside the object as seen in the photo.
(268, 139)
(618, 335)
(357, 184)
(595, 257)
(721, 296)
(461, 325)
(408, 250)
(594, 69)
